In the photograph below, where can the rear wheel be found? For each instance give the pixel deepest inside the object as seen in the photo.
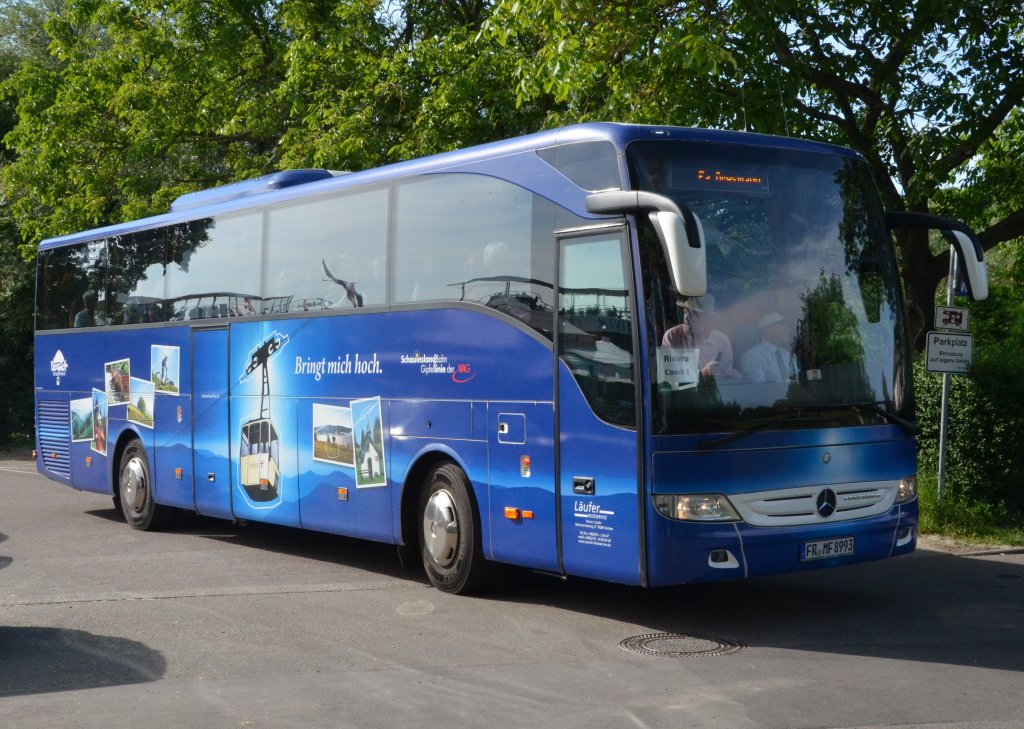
(449, 532)
(135, 491)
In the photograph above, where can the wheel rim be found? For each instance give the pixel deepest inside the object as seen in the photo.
(441, 528)
(133, 484)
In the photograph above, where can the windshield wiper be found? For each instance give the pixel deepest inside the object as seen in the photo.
(877, 409)
(874, 408)
(708, 445)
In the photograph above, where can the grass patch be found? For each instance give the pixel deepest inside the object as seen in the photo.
(958, 518)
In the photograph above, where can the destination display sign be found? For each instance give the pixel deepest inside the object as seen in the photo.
(748, 179)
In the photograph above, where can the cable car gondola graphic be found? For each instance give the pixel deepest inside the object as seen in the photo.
(259, 460)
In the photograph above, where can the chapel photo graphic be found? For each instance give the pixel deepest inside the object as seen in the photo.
(368, 435)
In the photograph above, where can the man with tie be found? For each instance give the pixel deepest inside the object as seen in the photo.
(770, 360)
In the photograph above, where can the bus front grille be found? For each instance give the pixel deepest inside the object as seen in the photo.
(54, 425)
(800, 506)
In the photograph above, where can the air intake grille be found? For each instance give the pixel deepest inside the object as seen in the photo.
(54, 423)
(799, 506)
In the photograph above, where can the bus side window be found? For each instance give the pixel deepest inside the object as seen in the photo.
(475, 239)
(135, 278)
(201, 251)
(328, 253)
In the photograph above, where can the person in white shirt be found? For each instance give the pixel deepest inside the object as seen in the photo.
(770, 360)
(698, 332)
(88, 317)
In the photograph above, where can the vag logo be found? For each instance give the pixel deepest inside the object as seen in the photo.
(463, 373)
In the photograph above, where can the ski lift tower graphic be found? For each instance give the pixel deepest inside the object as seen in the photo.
(259, 460)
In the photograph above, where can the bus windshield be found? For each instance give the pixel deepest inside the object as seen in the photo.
(803, 323)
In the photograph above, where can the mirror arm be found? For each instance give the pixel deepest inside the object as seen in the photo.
(960, 236)
(928, 221)
(619, 202)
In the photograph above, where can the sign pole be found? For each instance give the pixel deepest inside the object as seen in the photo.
(944, 418)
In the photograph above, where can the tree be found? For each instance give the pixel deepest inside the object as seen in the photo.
(22, 40)
(146, 100)
(929, 92)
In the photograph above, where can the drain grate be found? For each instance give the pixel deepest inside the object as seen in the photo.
(678, 645)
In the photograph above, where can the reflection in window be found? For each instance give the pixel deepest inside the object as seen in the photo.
(214, 270)
(591, 165)
(595, 330)
(796, 242)
(476, 239)
(136, 278)
(71, 286)
(327, 253)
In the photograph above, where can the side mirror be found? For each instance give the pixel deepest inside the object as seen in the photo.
(963, 240)
(679, 230)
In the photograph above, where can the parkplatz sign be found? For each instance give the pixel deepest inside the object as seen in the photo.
(949, 352)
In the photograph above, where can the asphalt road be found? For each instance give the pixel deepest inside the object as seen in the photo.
(216, 625)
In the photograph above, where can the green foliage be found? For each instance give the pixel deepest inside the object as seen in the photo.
(926, 91)
(831, 325)
(984, 459)
(973, 521)
(22, 40)
(651, 61)
(147, 100)
(17, 287)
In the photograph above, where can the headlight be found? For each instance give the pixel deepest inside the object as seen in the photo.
(698, 507)
(908, 490)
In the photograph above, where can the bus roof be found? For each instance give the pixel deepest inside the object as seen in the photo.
(297, 184)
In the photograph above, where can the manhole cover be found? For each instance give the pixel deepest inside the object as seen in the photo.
(679, 645)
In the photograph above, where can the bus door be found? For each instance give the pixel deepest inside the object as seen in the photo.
(599, 463)
(211, 431)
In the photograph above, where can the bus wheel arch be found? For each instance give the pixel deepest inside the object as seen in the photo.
(123, 439)
(133, 485)
(441, 524)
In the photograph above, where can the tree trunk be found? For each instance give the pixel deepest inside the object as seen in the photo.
(922, 273)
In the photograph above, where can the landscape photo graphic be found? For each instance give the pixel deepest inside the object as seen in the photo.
(332, 434)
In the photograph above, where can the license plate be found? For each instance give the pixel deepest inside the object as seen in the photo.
(825, 548)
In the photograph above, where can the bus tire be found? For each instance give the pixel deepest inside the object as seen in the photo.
(135, 490)
(449, 532)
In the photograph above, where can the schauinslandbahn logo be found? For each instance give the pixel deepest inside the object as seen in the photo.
(58, 365)
(438, 364)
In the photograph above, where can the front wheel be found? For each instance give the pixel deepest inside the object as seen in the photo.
(135, 491)
(450, 532)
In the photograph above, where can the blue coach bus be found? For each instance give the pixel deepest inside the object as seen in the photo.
(641, 354)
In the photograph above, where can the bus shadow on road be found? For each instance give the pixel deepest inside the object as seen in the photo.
(43, 660)
(930, 607)
(362, 554)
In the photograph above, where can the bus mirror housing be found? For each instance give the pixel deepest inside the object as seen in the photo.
(679, 230)
(963, 240)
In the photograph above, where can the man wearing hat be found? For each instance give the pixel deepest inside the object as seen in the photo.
(697, 332)
(770, 360)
